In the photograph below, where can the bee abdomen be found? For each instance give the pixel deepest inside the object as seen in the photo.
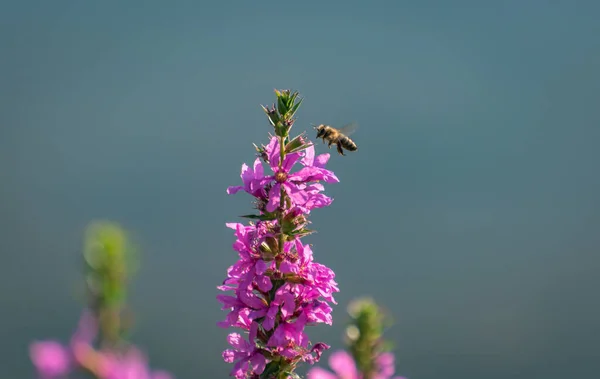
(348, 143)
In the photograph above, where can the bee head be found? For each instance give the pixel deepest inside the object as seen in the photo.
(320, 130)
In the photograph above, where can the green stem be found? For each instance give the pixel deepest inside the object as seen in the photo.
(281, 151)
(281, 194)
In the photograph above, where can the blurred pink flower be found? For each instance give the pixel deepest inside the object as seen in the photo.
(50, 358)
(131, 365)
(343, 366)
(87, 329)
(53, 360)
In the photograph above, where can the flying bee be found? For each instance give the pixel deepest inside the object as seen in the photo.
(338, 136)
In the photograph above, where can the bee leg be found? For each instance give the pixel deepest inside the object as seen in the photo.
(329, 144)
(339, 148)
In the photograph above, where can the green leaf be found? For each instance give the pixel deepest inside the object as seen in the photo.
(291, 99)
(272, 368)
(282, 106)
(254, 217)
(302, 233)
(300, 148)
(294, 108)
(267, 217)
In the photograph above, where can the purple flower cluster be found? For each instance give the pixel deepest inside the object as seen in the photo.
(54, 360)
(344, 367)
(278, 288)
(301, 187)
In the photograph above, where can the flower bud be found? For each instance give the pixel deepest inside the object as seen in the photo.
(293, 222)
(272, 115)
(297, 144)
(262, 152)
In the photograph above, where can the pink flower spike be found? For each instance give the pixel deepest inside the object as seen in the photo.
(278, 288)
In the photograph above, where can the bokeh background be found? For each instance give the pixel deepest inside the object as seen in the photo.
(471, 209)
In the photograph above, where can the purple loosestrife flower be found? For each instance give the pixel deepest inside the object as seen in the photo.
(246, 356)
(252, 178)
(278, 288)
(301, 186)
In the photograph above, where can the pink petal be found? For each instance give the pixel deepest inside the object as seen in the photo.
(343, 364)
(249, 298)
(289, 161)
(258, 169)
(289, 305)
(272, 150)
(228, 355)
(308, 174)
(309, 156)
(264, 283)
(274, 196)
(236, 340)
(287, 267)
(278, 337)
(246, 175)
(319, 373)
(385, 363)
(234, 189)
(258, 363)
(262, 266)
(87, 328)
(228, 301)
(321, 160)
(297, 195)
(233, 225)
(269, 322)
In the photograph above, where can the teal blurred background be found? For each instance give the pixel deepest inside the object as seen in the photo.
(471, 209)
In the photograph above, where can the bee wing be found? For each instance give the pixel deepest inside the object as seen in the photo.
(348, 128)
